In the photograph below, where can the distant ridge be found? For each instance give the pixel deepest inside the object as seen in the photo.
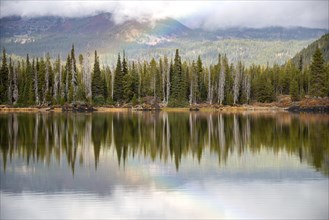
(38, 35)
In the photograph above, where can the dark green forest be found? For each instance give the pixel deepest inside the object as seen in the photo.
(44, 81)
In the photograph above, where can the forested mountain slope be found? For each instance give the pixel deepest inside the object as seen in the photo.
(307, 53)
(144, 40)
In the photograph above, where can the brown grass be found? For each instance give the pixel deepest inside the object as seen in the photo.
(283, 102)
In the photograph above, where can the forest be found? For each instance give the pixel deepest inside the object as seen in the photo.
(170, 81)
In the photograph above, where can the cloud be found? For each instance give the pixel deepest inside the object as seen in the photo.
(195, 14)
(263, 13)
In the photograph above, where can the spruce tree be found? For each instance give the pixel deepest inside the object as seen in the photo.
(153, 73)
(124, 65)
(10, 82)
(294, 94)
(177, 96)
(29, 84)
(127, 87)
(202, 93)
(97, 83)
(117, 85)
(318, 75)
(135, 80)
(4, 71)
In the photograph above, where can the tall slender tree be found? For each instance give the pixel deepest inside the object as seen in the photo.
(318, 75)
(97, 86)
(4, 72)
(117, 85)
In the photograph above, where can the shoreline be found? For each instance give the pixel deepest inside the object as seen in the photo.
(226, 109)
(284, 104)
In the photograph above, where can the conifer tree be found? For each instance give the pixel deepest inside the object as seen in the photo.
(36, 90)
(294, 94)
(74, 80)
(135, 80)
(177, 96)
(10, 82)
(127, 87)
(4, 72)
(15, 85)
(29, 94)
(318, 75)
(126, 80)
(97, 86)
(117, 85)
(202, 90)
(154, 73)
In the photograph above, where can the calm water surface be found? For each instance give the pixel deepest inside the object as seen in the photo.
(164, 165)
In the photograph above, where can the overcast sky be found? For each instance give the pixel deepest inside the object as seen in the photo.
(194, 14)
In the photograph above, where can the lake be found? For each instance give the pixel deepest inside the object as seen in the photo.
(164, 165)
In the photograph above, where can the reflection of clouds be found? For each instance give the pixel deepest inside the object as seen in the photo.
(80, 139)
(207, 199)
(229, 166)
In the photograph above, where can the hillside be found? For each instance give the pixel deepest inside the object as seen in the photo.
(307, 53)
(142, 40)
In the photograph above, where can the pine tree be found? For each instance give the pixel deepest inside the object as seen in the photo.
(97, 86)
(4, 72)
(48, 81)
(135, 80)
(29, 95)
(154, 73)
(194, 84)
(228, 92)
(126, 80)
(15, 85)
(294, 94)
(177, 96)
(127, 88)
(36, 90)
(124, 65)
(318, 75)
(117, 85)
(74, 80)
(202, 90)
(264, 89)
(10, 82)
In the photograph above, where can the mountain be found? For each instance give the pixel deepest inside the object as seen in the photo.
(38, 35)
(307, 53)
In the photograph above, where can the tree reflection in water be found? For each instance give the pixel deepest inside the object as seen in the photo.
(166, 136)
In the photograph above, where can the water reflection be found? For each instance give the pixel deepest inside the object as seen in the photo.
(161, 136)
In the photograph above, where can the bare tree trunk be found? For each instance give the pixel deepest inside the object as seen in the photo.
(36, 91)
(46, 81)
(87, 77)
(166, 65)
(191, 88)
(163, 82)
(140, 80)
(236, 86)
(10, 76)
(15, 87)
(209, 88)
(56, 85)
(74, 80)
(221, 85)
(248, 88)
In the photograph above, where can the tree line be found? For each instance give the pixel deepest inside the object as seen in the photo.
(169, 80)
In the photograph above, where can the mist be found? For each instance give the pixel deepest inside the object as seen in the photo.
(208, 15)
